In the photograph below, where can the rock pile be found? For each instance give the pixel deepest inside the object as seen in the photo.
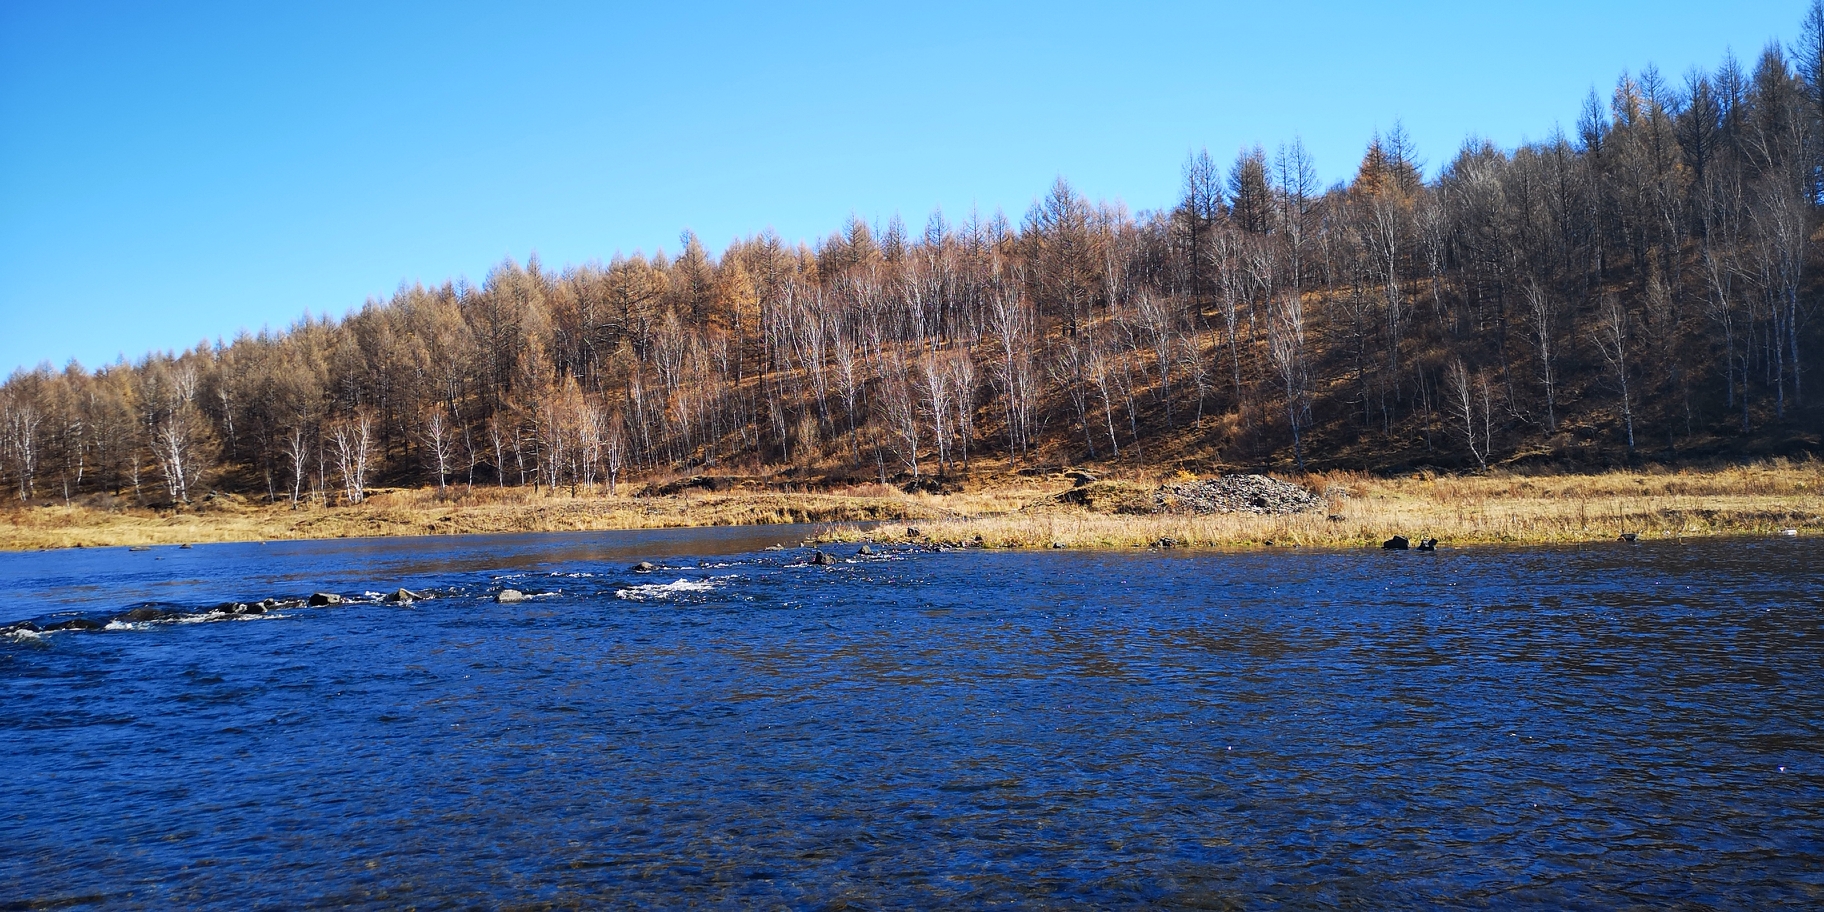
(1235, 494)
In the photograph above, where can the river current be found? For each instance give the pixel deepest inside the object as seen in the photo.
(1599, 727)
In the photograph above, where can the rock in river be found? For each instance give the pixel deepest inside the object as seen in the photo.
(509, 596)
(644, 567)
(820, 559)
(76, 624)
(319, 599)
(1396, 543)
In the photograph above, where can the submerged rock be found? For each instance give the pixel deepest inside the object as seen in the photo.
(509, 596)
(1396, 543)
(76, 624)
(320, 599)
(644, 567)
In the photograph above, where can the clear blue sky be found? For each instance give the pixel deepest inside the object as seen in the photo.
(177, 172)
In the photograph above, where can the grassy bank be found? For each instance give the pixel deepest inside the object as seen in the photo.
(1006, 510)
(1362, 510)
(483, 510)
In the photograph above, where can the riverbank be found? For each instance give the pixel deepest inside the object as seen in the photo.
(1015, 511)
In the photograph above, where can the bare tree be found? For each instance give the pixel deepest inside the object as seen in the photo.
(966, 381)
(177, 442)
(1286, 334)
(899, 408)
(614, 449)
(1612, 337)
(1470, 410)
(1012, 322)
(439, 440)
(1543, 309)
(352, 440)
(19, 421)
(296, 446)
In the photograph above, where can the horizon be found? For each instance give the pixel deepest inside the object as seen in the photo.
(167, 179)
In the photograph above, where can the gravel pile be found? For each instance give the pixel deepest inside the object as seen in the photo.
(1235, 494)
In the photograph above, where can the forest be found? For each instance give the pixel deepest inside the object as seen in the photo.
(1643, 289)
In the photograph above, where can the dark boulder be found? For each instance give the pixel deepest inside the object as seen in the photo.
(20, 627)
(912, 532)
(1630, 536)
(1428, 544)
(864, 551)
(402, 597)
(76, 624)
(1168, 542)
(320, 599)
(1396, 543)
(141, 615)
(820, 559)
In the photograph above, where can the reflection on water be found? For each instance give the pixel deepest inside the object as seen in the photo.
(1589, 728)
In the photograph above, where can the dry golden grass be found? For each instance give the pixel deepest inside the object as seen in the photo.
(426, 512)
(1015, 511)
(1365, 510)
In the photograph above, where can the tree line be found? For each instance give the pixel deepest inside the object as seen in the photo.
(1642, 287)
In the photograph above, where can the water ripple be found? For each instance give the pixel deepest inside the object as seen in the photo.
(1591, 727)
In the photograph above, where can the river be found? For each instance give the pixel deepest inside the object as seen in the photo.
(1605, 726)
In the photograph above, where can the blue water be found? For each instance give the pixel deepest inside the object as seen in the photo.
(1598, 727)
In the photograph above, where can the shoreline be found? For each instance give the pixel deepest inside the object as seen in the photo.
(1357, 511)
